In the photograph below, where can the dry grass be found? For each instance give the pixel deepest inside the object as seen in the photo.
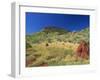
(56, 53)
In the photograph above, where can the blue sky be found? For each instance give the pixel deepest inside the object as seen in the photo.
(35, 22)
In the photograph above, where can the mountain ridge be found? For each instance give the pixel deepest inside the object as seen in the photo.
(50, 34)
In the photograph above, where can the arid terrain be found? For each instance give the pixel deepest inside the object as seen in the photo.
(55, 47)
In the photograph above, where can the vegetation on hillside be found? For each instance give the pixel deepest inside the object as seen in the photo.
(54, 46)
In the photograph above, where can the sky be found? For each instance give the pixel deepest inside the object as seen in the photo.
(36, 22)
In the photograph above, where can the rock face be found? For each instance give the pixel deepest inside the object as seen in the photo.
(82, 50)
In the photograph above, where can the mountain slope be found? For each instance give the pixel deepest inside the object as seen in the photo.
(54, 46)
(51, 34)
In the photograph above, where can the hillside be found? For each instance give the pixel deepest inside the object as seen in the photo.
(54, 46)
(51, 34)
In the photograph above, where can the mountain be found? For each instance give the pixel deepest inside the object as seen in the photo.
(50, 29)
(52, 33)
